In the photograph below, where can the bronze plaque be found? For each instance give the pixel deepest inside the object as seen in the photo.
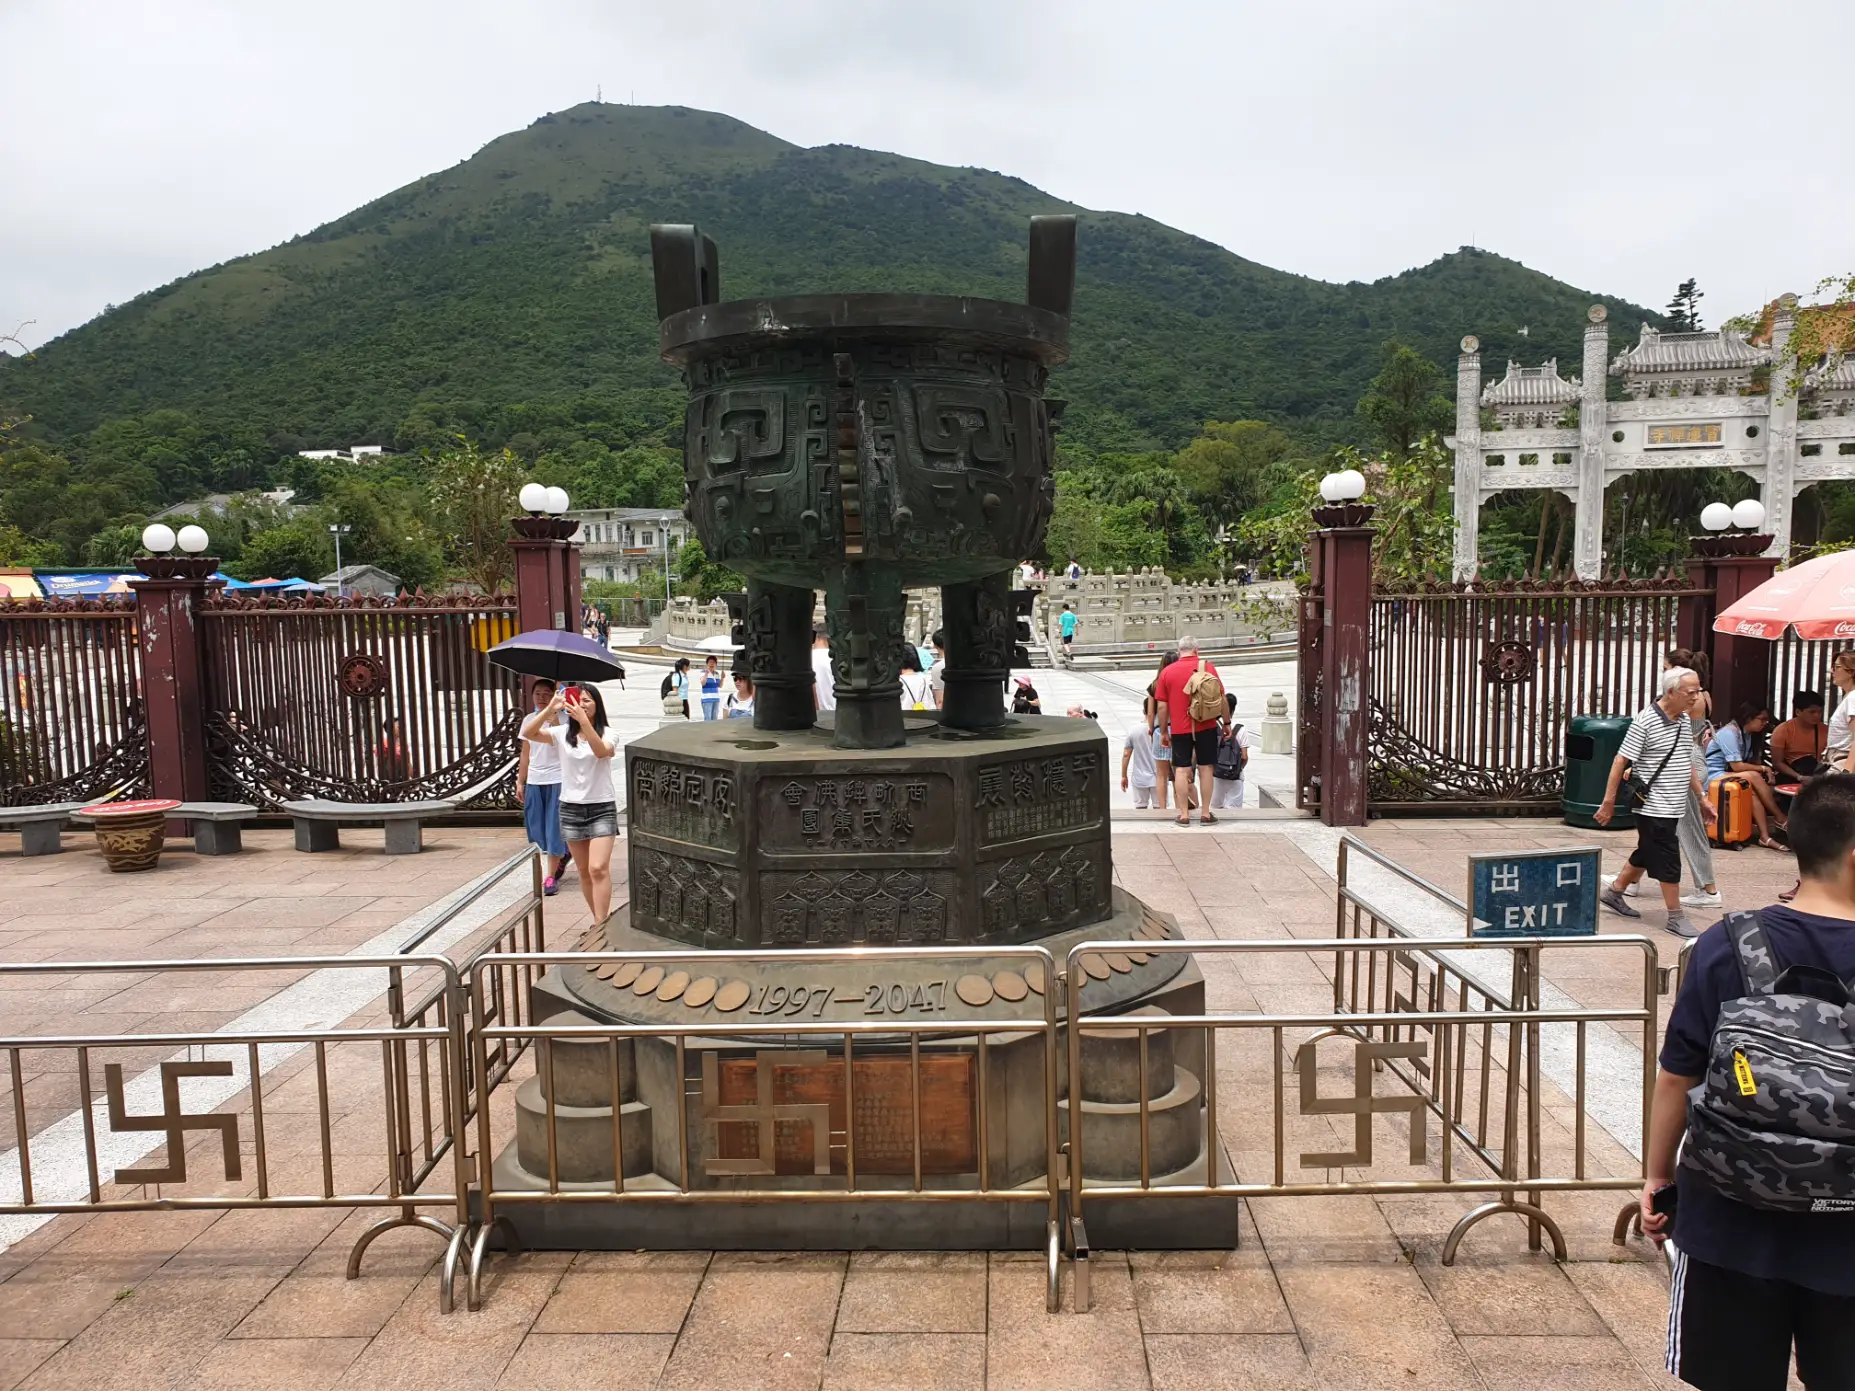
(684, 801)
(860, 812)
(1032, 797)
(884, 1113)
(840, 908)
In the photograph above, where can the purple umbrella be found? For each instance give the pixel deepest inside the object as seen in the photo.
(557, 655)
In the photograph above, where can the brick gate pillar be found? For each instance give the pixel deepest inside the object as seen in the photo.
(1741, 665)
(167, 609)
(1344, 543)
(547, 573)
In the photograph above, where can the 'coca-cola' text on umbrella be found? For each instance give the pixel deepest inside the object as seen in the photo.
(1816, 599)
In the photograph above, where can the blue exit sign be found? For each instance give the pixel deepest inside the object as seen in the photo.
(1535, 893)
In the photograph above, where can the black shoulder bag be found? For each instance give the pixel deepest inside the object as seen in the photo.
(1638, 788)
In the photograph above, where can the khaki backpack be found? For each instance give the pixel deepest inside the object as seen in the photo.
(1204, 695)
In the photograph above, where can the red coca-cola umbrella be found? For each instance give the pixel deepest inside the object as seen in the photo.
(1816, 599)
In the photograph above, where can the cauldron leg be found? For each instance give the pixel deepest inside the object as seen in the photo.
(779, 655)
(864, 606)
(978, 619)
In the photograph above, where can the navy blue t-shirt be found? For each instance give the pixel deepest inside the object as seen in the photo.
(1816, 1250)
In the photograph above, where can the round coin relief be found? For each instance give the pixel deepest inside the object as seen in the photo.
(1139, 958)
(626, 974)
(732, 996)
(647, 982)
(1010, 986)
(700, 992)
(1033, 976)
(1095, 965)
(609, 969)
(975, 990)
(673, 985)
(1119, 963)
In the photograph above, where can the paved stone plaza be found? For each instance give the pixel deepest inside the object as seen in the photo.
(1323, 1293)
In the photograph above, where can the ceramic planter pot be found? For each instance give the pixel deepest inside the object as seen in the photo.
(131, 834)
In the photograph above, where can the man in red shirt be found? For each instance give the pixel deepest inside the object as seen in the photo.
(1194, 742)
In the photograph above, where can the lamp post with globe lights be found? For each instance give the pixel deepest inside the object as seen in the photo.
(547, 562)
(1730, 561)
(1332, 749)
(169, 598)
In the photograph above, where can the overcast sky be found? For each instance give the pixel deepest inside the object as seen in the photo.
(1621, 145)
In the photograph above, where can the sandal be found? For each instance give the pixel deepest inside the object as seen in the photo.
(1778, 845)
(1207, 819)
(1183, 821)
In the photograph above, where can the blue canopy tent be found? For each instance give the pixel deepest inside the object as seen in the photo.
(88, 584)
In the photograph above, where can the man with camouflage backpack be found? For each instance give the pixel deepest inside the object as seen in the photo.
(1757, 1096)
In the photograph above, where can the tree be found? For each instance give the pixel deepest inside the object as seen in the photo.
(113, 547)
(473, 496)
(1227, 466)
(296, 550)
(1405, 401)
(19, 549)
(703, 579)
(1684, 308)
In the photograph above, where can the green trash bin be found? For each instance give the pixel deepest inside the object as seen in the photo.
(1591, 745)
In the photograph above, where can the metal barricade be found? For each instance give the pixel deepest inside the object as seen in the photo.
(1434, 1045)
(425, 1134)
(486, 986)
(249, 1078)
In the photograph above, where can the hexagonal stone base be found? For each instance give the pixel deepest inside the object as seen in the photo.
(746, 838)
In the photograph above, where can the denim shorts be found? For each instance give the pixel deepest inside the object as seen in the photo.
(588, 820)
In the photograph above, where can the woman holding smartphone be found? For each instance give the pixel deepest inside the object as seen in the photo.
(588, 796)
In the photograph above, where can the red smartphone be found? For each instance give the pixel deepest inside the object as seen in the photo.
(570, 695)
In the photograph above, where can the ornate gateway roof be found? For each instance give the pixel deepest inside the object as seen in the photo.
(1532, 386)
(1719, 350)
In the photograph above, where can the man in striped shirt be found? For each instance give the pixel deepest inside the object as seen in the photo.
(1660, 746)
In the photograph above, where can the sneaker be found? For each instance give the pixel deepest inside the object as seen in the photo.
(1613, 900)
(1700, 898)
(550, 886)
(1682, 926)
(1634, 889)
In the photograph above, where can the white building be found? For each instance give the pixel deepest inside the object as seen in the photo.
(629, 543)
(1693, 403)
(354, 454)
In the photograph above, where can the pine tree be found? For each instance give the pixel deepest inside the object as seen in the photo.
(1684, 308)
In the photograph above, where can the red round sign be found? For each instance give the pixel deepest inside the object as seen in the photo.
(146, 807)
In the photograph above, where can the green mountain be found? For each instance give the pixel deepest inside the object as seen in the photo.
(511, 295)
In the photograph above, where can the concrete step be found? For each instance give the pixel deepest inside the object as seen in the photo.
(582, 1137)
(1111, 1131)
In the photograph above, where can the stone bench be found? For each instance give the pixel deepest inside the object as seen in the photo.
(318, 823)
(41, 829)
(213, 825)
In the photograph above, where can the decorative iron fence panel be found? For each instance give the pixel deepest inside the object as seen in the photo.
(71, 718)
(360, 701)
(1471, 688)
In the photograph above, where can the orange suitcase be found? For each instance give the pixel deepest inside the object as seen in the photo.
(1733, 827)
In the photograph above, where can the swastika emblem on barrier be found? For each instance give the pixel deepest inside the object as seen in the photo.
(172, 1119)
(1362, 1105)
(764, 1114)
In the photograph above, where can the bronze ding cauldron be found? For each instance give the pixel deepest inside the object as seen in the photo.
(860, 443)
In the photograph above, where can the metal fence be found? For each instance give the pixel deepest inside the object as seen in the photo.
(499, 977)
(356, 700)
(398, 1114)
(71, 720)
(1471, 686)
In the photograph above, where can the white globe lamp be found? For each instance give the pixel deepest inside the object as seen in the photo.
(556, 501)
(1716, 516)
(158, 537)
(1330, 488)
(1351, 485)
(193, 539)
(1749, 515)
(533, 498)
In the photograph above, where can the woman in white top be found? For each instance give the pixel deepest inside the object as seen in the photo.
(917, 690)
(588, 796)
(1839, 751)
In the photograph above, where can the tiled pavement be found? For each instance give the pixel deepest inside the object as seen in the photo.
(1322, 1293)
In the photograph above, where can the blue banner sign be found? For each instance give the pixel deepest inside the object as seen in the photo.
(1535, 893)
